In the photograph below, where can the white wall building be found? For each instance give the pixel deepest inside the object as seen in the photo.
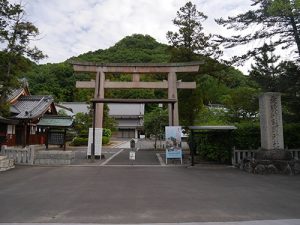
(129, 117)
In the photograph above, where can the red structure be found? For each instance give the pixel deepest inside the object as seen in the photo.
(26, 111)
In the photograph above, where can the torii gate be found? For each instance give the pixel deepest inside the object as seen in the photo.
(136, 69)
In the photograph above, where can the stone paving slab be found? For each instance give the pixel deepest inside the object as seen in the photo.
(255, 222)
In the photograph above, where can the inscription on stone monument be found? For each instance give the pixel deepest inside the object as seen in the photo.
(271, 121)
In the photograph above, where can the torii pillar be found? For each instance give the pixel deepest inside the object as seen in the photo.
(99, 93)
(172, 94)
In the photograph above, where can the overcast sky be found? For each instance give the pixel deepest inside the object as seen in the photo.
(72, 27)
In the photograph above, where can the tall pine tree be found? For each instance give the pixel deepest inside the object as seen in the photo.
(190, 38)
(278, 20)
(190, 43)
(266, 70)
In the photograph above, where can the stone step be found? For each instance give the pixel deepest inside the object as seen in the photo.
(6, 164)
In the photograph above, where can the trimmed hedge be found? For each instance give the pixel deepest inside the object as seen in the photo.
(291, 135)
(246, 136)
(217, 146)
(213, 146)
(79, 141)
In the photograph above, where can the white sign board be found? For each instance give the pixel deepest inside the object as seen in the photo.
(132, 155)
(98, 141)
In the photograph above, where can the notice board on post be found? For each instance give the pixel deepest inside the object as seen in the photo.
(173, 143)
(98, 142)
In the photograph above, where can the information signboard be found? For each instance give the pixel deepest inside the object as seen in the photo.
(173, 143)
(132, 155)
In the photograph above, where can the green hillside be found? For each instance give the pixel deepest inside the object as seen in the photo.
(59, 80)
(215, 82)
(137, 48)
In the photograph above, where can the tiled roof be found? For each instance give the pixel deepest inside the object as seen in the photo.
(22, 90)
(77, 107)
(30, 107)
(55, 121)
(212, 127)
(15, 93)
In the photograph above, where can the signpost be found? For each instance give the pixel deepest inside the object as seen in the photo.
(132, 152)
(173, 143)
(132, 155)
(95, 143)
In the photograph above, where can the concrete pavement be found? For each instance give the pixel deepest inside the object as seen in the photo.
(147, 195)
(256, 222)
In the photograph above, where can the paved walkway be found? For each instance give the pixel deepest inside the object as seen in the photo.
(147, 195)
(118, 155)
(255, 222)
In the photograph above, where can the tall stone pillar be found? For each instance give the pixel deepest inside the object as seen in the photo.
(99, 93)
(271, 128)
(172, 94)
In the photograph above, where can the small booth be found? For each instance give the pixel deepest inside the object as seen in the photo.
(55, 129)
(206, 139)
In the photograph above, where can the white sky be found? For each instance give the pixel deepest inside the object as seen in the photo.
(72, 27)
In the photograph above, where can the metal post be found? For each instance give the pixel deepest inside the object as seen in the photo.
(94, 125)
(65, 134)
(192, 148)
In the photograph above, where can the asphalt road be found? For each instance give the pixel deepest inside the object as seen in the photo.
(144, 195)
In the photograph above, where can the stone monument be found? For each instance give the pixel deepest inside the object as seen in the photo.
(272, 157)
(271, 129)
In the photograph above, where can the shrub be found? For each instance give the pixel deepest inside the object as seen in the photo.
(213, 146)
(291, 135)
(70, 135)
(84, 134)
(79, 141)
(106, 132)
(105, 140)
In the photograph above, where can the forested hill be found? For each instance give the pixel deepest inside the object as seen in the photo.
(213, 85)
(58, 79)
(137, 48)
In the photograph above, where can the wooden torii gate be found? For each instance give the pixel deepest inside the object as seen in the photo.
(136, 69)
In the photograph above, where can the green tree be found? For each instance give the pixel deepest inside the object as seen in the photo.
(242, 103)
(279, 19)
(289, 86)
(155, 123)
(136, 48)
(190, 43)
(15, 36)
(190, 38)
(57, 80)
(265, 71)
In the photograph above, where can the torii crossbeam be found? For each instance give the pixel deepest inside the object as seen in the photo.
(100, 84)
